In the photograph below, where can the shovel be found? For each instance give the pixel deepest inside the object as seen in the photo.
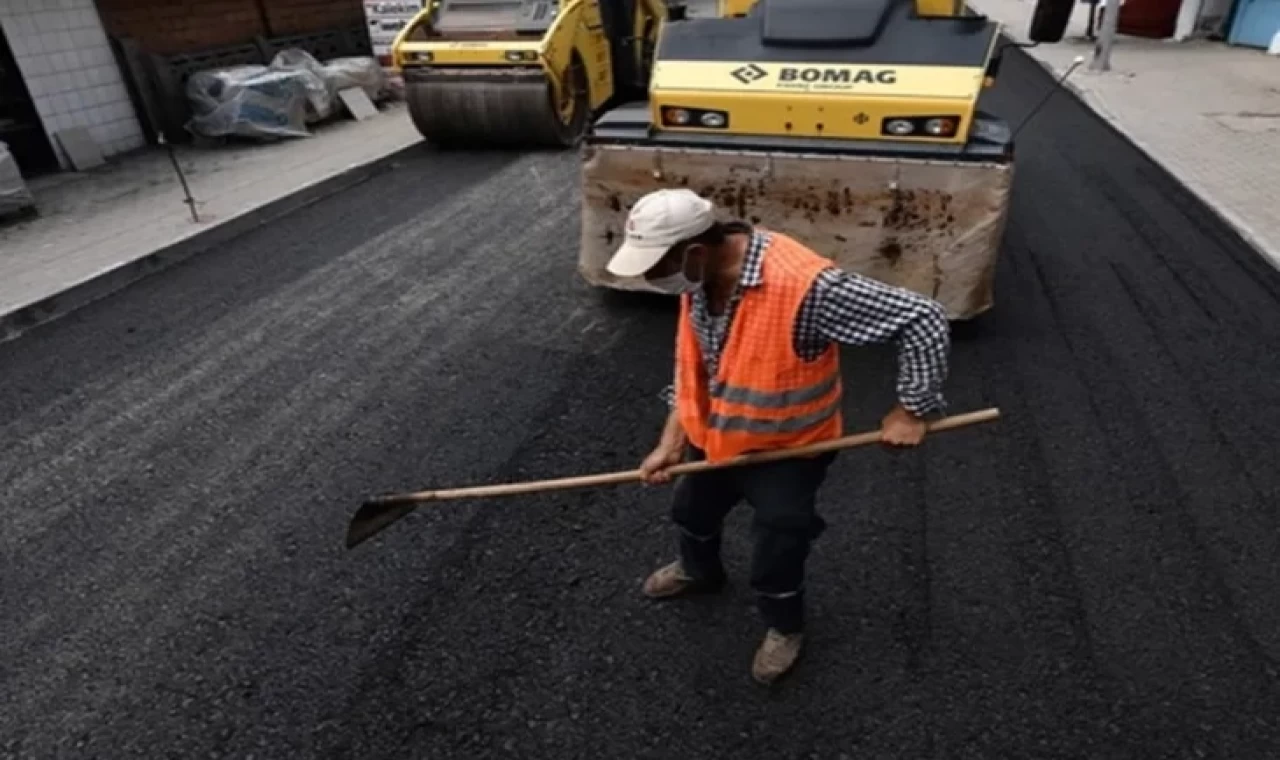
(381, 511)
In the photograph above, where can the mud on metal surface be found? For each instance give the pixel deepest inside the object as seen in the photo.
(934, 227)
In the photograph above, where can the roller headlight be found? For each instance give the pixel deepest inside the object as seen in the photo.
(940, 127)
(713, 119)
(678, 116)
(943, 126)
(899, 127)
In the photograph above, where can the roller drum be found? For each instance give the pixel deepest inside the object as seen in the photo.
(506, 107)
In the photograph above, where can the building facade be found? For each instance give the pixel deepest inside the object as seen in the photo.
(114, 67)
(59, 72)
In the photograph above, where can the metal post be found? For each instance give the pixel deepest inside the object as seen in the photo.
(264, 18)
(177, 168)
(1106, 37)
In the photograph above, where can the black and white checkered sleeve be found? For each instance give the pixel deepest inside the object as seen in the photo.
(849, 308)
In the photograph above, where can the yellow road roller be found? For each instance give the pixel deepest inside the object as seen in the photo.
(523, 72)
(852, 125)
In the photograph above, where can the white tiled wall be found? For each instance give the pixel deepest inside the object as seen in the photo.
(63, 54)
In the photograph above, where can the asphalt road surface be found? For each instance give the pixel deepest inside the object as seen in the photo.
(1094, 576)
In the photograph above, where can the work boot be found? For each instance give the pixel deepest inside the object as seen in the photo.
(777, 653)
(672, 580)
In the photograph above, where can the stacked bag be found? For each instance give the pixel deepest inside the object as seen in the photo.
(279, 100)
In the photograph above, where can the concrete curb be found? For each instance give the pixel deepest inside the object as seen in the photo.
(1226, 215)
(77, 295)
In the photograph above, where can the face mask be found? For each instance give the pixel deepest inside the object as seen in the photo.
(674, 284)
(677, 283)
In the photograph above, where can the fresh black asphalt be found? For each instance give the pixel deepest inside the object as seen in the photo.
(1094, 576)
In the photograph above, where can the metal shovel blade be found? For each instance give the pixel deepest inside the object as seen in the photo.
(374, 516)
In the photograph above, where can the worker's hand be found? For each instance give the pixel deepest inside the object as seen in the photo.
(654, 467)
(902, 428)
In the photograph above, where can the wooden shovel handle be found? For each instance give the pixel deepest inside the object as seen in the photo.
(628, 476)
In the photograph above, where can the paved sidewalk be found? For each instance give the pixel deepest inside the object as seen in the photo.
(96, 230)
(1207, 112)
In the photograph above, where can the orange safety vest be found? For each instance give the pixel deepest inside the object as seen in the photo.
(763, 396)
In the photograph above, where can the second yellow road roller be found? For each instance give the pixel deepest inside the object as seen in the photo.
(523, 72)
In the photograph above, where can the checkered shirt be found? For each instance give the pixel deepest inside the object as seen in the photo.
(846, 308)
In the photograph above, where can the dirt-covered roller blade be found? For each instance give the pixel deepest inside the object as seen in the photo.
(932, 224)
(503, 108)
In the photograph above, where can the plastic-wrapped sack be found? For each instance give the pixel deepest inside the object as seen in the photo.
(321, 96)
(248, 101)
(14, 195)
(357, 71)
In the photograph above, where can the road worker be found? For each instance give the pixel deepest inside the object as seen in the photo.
(758, 367)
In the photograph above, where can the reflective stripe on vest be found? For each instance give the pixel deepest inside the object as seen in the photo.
(734, 394)
(740, 424)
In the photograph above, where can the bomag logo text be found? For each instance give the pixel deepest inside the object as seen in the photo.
(816, 75)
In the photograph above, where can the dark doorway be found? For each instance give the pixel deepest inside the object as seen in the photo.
(20, 125)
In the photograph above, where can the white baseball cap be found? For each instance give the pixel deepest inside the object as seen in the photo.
(658, 221)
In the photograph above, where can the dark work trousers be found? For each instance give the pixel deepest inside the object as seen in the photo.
(786, 523)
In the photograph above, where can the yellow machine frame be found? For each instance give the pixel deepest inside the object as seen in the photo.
(578, 29)
(797, 99)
